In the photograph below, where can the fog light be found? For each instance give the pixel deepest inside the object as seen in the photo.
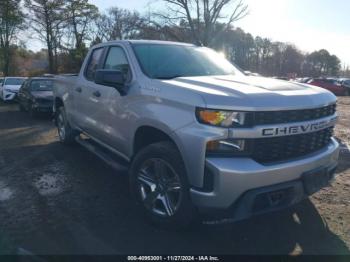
(230, 146)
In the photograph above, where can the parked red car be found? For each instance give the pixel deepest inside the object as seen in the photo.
(330, 84)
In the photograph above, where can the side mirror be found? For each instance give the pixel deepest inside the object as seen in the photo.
(108, 77)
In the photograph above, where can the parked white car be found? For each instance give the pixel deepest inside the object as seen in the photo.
(10, 87)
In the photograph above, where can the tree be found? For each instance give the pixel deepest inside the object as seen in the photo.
(322, 63)
(11, 22)
(120, 24)
(46, 19)
(80, 18)
(202, 16)
(81, 15)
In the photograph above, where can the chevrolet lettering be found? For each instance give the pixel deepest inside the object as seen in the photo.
(298, 129)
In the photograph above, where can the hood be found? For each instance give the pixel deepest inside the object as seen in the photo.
(12, 87)
(43, 94)
(253, 93)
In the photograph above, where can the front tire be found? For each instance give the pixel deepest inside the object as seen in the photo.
(158, 181)
(32, 111)
(21, 108)
(66, 133)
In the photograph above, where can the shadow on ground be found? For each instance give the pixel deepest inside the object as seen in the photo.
(90, 211)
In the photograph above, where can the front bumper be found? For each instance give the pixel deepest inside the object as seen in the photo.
(235, 177)
(8, 96)
(43, 108)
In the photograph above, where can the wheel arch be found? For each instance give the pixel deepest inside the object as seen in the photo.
(58, 102)
(149, 134)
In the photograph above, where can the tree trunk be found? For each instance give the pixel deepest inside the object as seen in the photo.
(6, 67)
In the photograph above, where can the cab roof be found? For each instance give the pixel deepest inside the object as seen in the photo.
(136, 42)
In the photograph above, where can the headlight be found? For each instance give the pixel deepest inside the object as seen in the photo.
(229, 147)
(220, 117)
(9, 90)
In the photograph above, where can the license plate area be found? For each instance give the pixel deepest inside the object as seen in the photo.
(315, 180)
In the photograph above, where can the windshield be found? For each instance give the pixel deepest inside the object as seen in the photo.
(41, 85)
(14, 81)
(170, 61)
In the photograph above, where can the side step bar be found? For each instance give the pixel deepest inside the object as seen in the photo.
(111, 159)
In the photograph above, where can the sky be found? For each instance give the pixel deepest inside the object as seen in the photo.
(309, 24)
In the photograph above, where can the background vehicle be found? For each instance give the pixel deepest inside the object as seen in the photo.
(36, 95)
(330, 84)
(345, 83)
(249, 73)
(10, 87)
(303, 79)
(196, 134)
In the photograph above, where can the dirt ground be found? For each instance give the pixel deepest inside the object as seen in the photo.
(64, 200)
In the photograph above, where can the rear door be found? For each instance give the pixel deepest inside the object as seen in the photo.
(84, 96)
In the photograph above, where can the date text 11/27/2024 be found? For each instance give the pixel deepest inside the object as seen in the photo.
(173, 258)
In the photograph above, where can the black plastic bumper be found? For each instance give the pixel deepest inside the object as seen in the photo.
(272, 198)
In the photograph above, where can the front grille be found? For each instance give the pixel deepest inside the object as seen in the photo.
(267, 150)
(289, 116)
(44, 101)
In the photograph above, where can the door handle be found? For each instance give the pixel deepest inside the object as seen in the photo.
(96, 93)
(78, 89)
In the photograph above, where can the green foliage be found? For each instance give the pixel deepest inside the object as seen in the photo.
(322, 63)
(74, 59)
(11, 22)
(270, 58)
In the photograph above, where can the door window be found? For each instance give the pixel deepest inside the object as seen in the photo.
(116, 60)
(25, 84)
(93, 64)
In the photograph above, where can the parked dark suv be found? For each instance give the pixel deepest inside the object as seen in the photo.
(35, 95)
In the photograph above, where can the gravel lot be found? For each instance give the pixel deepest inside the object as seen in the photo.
(64, 200)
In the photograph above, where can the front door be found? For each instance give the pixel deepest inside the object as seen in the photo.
(110, 113)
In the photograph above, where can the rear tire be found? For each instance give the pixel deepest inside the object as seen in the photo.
(158, 182)
(66, 133)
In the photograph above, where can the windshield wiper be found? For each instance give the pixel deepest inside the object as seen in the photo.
(168, 77)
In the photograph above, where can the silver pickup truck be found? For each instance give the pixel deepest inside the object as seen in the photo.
(197, 135)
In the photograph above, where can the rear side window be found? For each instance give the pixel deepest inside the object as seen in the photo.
(116, 60)
(92, 66)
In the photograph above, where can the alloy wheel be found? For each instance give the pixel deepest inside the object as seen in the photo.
(160, 187)
(61, 127)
